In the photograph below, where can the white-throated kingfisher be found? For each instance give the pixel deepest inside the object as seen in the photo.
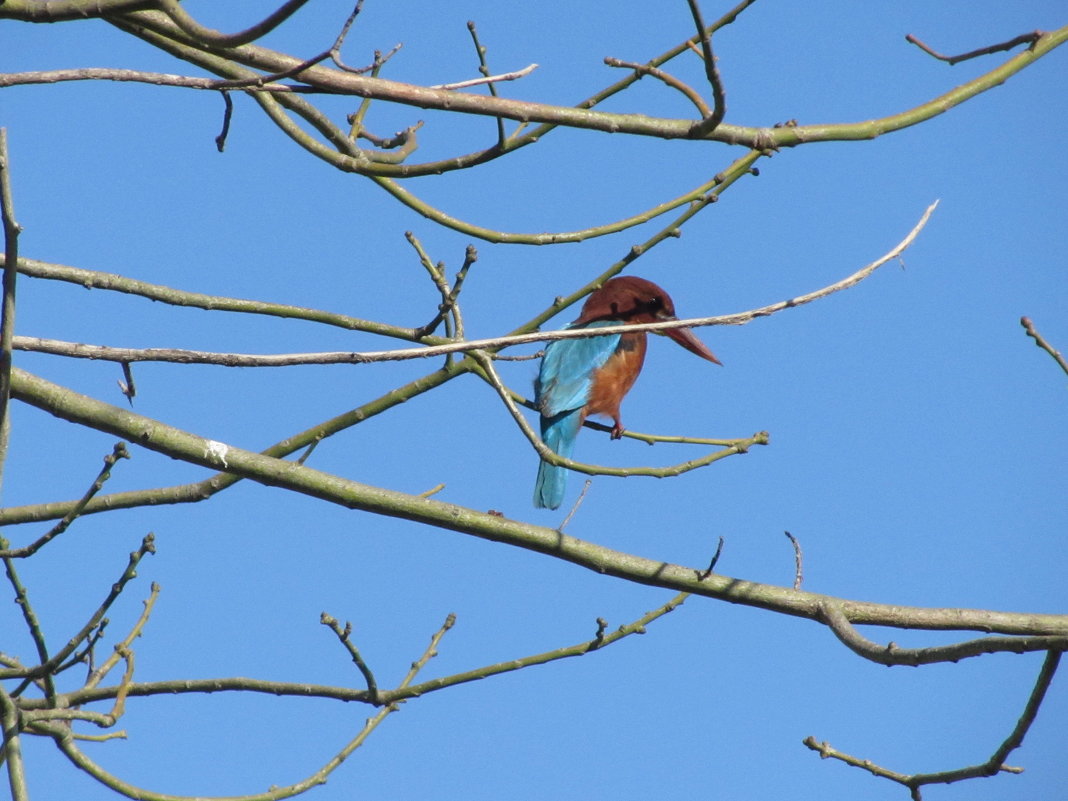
(580, 377)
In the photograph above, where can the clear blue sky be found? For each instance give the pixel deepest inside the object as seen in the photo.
(917, 435)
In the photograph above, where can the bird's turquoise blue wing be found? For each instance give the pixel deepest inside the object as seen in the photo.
(562, 389)
(567, 370)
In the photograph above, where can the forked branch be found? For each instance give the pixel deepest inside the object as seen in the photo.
(994, 765)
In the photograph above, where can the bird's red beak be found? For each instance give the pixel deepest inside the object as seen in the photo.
(687, 338)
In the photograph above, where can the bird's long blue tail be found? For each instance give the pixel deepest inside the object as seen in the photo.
(559, 433)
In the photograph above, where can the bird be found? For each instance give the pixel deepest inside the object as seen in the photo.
(583, 377)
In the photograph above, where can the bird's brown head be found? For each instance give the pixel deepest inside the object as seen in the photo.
(630, 299)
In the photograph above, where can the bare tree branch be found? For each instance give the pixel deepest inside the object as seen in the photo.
(212, 37)
(991, 767)
(183, 445)
(891, 654)
(1041, 342)
(7, 300)
(77, 350)
(490, 79)
(1027, 38)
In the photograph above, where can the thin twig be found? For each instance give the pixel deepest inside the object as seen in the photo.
(47, 666)
(1026, 38)
(548, 455)
(575, 506)
(344, 635)
(22, 599)
(645, 69)
(798, 574)
(437, 276)
(702, 575)
(483, 68)
(1041, 342)
(600, 639)
(490, 79)
(991, 767)
(448, 309)
(127, 385)
(350, 357)
(228, 113)
(376, 63)
(430, 652)
(118, 452)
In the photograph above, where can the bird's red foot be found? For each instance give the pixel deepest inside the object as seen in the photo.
(617, 430)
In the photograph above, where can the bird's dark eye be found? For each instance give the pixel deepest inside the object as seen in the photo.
(656, 303)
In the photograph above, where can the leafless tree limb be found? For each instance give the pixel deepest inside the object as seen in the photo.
(1026, 38)
(991, 767)
(490, 79)
(1041, 342)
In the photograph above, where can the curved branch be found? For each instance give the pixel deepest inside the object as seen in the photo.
(214, 38)
(670, 80)
(991, 767)
(710, 121)
(890, 654)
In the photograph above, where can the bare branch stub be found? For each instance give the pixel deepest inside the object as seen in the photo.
(1041, 342)
(798, 560)
(578, 502)
(702, 575)
(228, 113)
(488, 79)
(344, 636)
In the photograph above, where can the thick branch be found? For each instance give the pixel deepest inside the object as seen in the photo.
(63, 10)
(762, 138)
(188, 447)
(11, 230)
(212, 37)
